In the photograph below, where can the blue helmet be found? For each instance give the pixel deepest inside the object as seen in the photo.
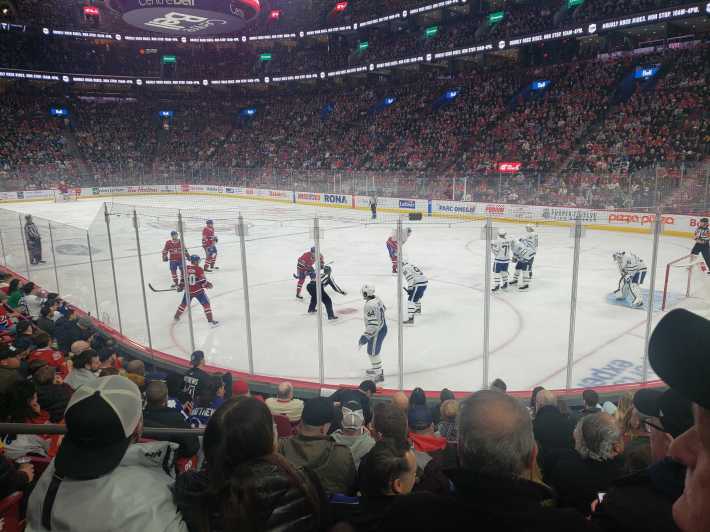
(173, 233)
(313, 249)
(194, 258)
(209, 222)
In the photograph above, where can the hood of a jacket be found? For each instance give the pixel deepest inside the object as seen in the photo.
(427, 443)
(311, 450)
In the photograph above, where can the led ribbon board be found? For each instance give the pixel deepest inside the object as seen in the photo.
(189, 17)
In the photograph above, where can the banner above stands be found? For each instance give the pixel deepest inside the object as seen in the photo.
(673, 225)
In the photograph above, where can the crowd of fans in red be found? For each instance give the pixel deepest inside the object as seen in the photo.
(353, 461)
(581, 141)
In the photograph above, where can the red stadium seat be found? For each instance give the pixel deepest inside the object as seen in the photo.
(40, 463)
(10, 513)
(283, 426)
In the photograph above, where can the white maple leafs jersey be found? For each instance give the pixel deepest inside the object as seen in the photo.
(501, 248)
(523, 250)
(414, 276)
(374, 314)
(630, 264)
(532, 238)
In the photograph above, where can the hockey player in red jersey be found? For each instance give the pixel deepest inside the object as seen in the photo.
(393, 246)
(209, 239)
(304, 267)
(172, 253)
(197, 283)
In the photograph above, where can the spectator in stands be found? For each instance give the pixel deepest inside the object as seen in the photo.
(533, 399)
(24, 329)
(195, 377)
(67, 330)
(240, 388)
(135, 371)
(596, 461)
(32, 300)
(285, 404)
(389, 421)
(552, 429)
(41, 340)
(401, 401)
(246, 485)
(85, 369)
(390, 471)
(45, 321)
(313, 448)
(362, 395)
(9, 368)
(157, 413)
(591, 403)
(444, 395)
(678, 354)
(422, 435)
(353, 433)
(14, 293)
(500, 385)
(447, 426)
(209, 399)
(24, 408)
(643, 500)
(52, 394)
(14, 477)
(417, 398)
(108, 358)
(99, 463)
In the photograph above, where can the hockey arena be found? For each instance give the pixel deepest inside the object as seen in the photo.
(444, 345)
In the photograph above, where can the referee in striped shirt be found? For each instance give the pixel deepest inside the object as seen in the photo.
(702, 242)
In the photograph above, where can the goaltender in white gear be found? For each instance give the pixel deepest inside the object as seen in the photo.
(416, 286)
(375, 331)
(633, 272)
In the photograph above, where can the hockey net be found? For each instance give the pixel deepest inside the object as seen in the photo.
(686, 277)
(61, 196)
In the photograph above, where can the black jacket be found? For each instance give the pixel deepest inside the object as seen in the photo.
(166, 417)
(484, 503)
(578, 482)
(278, 502)
(643, 502)
(53, 398)
(46, 325)
(67, 332)
(553, 431)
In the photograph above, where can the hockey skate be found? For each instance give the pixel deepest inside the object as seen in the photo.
(375, 375)
(331, 318)
(514, 281)
(418, 310)
(523, 287)
(299, 296)
(495, 288)
(618, 294)
(505, 285)
(410, 321)
(214, 323)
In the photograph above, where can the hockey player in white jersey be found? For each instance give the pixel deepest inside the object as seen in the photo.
(533, 238)
(523, 255)
(375, 331)
(416, 286)
(633, 272)
(501, 248)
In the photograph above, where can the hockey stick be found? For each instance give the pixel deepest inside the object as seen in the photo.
(326, 264)
(160, 289)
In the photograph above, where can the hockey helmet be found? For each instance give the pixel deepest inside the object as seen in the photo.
(704, 221)
(209, 222)
(368, 290)
(28, 217)
(195, 259)
(409, 230)
(618, 254)
(313, 249)
(327, 269)
(529, 228)
(502, 233)
(173, 233)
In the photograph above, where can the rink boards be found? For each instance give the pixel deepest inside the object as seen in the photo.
(621, 221)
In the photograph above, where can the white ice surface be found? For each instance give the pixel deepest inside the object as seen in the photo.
(529, 331)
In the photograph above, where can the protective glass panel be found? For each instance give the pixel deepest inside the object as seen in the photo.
(13, 245)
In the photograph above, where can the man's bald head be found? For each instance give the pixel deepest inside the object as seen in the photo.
(401, 401)
(495, 435)
(285, 391)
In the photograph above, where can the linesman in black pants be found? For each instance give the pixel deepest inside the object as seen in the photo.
(702, 242)
(325, 280)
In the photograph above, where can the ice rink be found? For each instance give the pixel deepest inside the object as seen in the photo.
(529, 330)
